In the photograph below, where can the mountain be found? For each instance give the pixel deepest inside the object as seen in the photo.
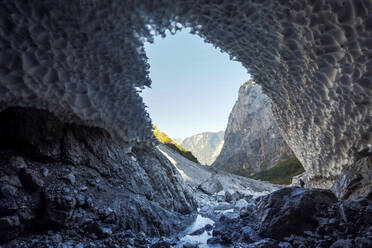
(178, 140)
(205, 146)
(164, 139)
(252, 142)
(196, 175)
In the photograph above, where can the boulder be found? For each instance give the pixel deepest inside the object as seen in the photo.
(211, 186)
(291, 211)
(241, 204)
(264, 243)
(30, 179)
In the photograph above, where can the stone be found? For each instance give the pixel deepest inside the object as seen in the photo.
(228, 196)
(18, 163)
(252, 142)
(220, 198)
(198, 231)
(291, 211)
(70, 178)
(214, 240)
(7, 190)
(8, 227)
(264, 243)
(242, 203)
(363, 242)
(285, 245)
(211, 186)
(248, 234)
(9, 222)
(45, 172)
(190, 245)
(208, 227)
(8, 206)
(30, 179)
(11, 180)
(342, 243)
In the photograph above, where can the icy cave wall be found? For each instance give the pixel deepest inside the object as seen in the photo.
(84, 61)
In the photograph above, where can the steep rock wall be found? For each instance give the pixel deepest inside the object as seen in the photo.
(84, 61)
(78, 181)
(252, 141)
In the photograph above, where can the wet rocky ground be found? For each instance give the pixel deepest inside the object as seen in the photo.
(289, 217)
(69, 186)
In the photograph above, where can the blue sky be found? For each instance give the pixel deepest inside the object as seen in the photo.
(194, 85)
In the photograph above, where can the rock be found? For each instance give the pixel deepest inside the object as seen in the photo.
(59, 207)
(197, 232)
(26, 214)
(9, 222)
(60, 199)
(18, 163)
(9, 227)
(162, 244)
(363, 242)
(228, 196)
(98, 229)
(237, 196)
(369, 196)
(8, 206)
(252, 141)
(79, 245)
(291, 211)
(45, 172)
(11, 180)
(249, 235)
(285, 245)
(105, 232)
(240, 204)
(223, 206)
(7, 191)
(264, 243)
(311, 59)
(355, 180)
(30, 179)
(70, 178)
(342, 243)
(214, 240)
(208, 227)
(190, 245)
(220, 198)
(211, 186)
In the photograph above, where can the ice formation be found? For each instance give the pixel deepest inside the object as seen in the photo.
(83, 60)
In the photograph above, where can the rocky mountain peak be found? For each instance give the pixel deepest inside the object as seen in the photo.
(205, 146)
(252, 140)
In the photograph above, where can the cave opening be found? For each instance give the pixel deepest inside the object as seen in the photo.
(194, 85)
(82, 61)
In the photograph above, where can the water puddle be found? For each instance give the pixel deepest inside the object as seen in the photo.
(201, 239)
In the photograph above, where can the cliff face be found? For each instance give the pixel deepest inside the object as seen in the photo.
(252, 139)
(78, 179)
(205, 146)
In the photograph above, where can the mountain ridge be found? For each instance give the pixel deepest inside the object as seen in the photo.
(252, 141)
(205, 146)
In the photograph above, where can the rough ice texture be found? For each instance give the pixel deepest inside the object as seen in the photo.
(83, 60)
(252, 141)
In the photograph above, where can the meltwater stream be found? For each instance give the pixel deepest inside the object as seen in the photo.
(201, 239)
